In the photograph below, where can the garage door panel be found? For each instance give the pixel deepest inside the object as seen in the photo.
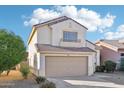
(66, 66)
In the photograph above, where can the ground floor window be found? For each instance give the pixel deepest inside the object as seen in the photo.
(122, 54)
(122, 64)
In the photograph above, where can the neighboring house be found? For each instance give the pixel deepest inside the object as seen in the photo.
(59, 48)
(111, 50)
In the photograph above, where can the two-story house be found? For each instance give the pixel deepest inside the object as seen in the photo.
(59, 48)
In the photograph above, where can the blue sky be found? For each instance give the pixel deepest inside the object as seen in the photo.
(19, 19)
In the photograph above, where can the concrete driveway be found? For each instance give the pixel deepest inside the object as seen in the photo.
(98, 80)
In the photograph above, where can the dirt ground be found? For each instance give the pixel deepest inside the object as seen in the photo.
(15, 80)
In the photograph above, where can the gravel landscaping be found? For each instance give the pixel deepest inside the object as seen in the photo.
(15, 80)
(98, 80)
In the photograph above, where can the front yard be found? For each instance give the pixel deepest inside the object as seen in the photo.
(98, 80)
(15, 80)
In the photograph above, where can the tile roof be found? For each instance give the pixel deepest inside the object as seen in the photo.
(115, 43)
(46, 47)
(57, 20)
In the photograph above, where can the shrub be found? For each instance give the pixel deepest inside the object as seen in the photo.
(122, 64)
(110, 66)
(24, 69)
(40, 79)
(100, 68)
(1, 72)
(47, 84)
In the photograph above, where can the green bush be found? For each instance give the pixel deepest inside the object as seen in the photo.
(24, 69)
(40, 79)
(47, 84)
(1, 72)
(100, 68)
(110, 66)
(12, 50)
(122, 64)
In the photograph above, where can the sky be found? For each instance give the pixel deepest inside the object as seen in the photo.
(103, 22)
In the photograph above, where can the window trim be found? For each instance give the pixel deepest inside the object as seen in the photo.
(70, 40)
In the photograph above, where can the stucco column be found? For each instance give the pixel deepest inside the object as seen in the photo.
(90, 65)
(38, 63)
(98, 58)
(42, 65)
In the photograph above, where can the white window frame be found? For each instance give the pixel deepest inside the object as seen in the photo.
(70, 38)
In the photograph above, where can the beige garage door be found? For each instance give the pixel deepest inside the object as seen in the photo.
(66, 66)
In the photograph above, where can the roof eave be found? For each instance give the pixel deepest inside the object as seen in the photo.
(31, 34)
(59, 52)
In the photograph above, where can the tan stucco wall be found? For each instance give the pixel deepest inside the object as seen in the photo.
(42, 65)
(54, 34)
(96, 55)
(32, 50)
(44, 35)
(69, 25)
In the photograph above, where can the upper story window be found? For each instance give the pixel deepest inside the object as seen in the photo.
(70, 36)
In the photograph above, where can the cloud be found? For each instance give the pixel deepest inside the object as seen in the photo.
(115, 35)
(107, 22)
(31, 22)
(89, 18)
(40, 15)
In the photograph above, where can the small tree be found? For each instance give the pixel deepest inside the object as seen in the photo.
(12, 50)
